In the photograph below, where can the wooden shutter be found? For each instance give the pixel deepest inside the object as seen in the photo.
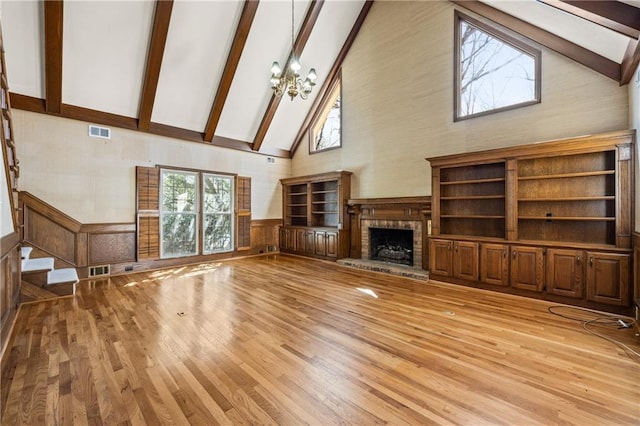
(148, 212)
(243, 213)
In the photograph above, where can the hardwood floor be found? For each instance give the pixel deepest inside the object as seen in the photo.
(285, 340)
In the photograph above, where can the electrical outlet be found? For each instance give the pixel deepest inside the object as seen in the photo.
(128, 268)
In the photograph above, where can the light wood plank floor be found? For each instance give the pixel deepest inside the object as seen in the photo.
(284, 340)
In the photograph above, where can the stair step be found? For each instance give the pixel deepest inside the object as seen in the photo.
(38, 264)
(25, 252)
(63, 275)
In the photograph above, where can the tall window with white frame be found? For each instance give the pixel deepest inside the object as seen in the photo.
(494, 70)
(218, 213)
(178, 213)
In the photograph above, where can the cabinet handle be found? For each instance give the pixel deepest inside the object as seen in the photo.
(456, 248)
(578, 259)
(515, 253)
(504, 252)
(449, 245)
(591, 261)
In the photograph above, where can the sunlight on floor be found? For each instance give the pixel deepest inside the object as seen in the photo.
(368, 292)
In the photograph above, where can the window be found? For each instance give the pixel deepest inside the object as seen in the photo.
(493, 71)
(178, 213)
(218, 213)
(326, 131)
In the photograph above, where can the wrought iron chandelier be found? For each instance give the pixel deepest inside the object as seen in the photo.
(290, 80)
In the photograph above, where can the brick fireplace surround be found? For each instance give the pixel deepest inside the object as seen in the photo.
(391, 213)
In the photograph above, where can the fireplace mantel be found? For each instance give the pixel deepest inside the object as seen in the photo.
(398, 212)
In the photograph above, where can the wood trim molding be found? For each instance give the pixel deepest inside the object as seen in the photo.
(551, 41)
(334, 73)
(36, 204)
(9, 243)
(242, 32)
(616, 12)
(301, 40)
(53, 24)
(108, 228)
(158, 42)
(266, 222)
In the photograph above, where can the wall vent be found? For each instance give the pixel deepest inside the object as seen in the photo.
(99, 132)
(98, 271)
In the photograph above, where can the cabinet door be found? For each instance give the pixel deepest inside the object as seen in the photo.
(287, 239)
(608, 278)
(309, 242)
(441, 257)
(301, 239)
(565, 269)
(321, 244)
(332, 244)
(527, 268)
(494, 264)
(465, 260)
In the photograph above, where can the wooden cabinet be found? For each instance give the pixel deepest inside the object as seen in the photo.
(608, 278)
(465, 260)
(441, 258)
(527, 268)
(494, 264)
(564, 272)
(314, 208)
(552, 218)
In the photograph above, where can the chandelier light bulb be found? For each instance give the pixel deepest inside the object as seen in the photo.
(275, 68)
(295, 65)
(312, 74)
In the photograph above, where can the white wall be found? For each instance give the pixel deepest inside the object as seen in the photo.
(93, 180)
(398, 104)
(6, 221)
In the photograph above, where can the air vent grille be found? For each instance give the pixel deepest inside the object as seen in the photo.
(97, 271)
(99, 132)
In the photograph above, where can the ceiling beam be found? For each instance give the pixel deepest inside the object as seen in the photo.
(53, 16)
(616, 11)
(29, 103)
(242, 32)
(596, 18)
(630, 61)
(331, 77)
(154, 61)
(551, 41)
(301, 40)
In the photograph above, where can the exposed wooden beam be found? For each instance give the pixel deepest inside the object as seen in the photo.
(331, 77)
(303, 36)
(615, 11)
(592, 17)
(154, 61)
(29, 103)
(571, 50)
(239, 40)
(53, 16)
(630, 61)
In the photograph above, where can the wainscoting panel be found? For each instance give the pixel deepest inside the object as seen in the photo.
(48, 235)
(112, 248)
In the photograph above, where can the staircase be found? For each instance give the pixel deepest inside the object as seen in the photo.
(42, 280)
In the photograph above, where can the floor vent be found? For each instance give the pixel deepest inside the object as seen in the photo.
(98, 271)
(99, 132)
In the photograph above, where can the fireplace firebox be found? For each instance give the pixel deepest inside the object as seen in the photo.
(391, 245)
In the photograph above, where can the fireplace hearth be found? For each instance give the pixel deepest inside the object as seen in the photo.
(391, 245)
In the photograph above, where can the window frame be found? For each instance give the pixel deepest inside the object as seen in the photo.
(195, 213)
(231, 213)
(506, 36)
(322, 112)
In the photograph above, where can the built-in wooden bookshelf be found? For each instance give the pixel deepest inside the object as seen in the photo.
(552, 219)
(314, 215)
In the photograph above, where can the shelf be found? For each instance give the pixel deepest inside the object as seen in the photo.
(473, 181)
(598, 198)
(575, 218)
(297, 215)
(325, 202)
(469, 216)
(325, 212)
(475, 197)
(297, 193)
(297, 205)
(569, 175)
(329, 191)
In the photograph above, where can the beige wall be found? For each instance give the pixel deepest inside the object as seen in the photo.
(634, 123)
(398, 104)
(93, 180)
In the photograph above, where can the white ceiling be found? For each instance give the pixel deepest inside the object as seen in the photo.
(106, 43)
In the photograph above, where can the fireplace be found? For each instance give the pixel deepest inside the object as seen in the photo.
(391, 245)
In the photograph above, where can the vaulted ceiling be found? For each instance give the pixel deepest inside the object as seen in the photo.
(199, 70)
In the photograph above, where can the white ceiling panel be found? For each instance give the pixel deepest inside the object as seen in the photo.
(105, 47)
(334, 24)
(598, 39)
(198, 43)
(269, 40)
(24, 46)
